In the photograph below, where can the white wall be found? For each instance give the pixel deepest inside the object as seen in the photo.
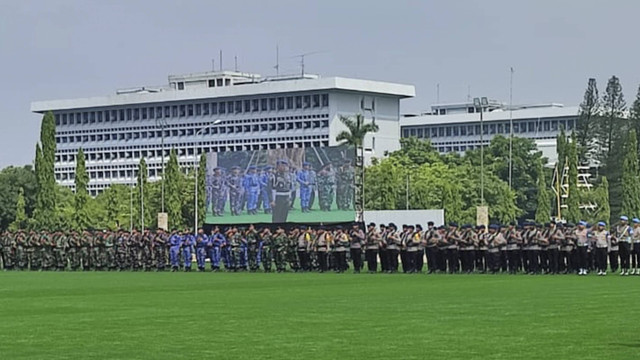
(409, 217)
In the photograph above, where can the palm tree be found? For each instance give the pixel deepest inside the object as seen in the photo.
(356, 131)
(354, 136)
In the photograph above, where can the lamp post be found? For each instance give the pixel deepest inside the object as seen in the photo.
(162, 123)
(481, 103)
(195, 168)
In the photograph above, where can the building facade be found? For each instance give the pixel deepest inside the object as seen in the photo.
(457, 128)
(254, 113)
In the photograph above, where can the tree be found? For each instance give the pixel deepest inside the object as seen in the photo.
(561, 149)
(21, 216)
(572, 213)
(630, 180)
(604, 212)
(81, 217)
(354, 136)
(634, 117)
(174, 184)
(543, 199)
(587, 122)
(611, 137)
(14, 180)
(45, 212)
(142, 216)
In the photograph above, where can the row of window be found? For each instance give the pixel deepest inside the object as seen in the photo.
(520, 127)
(314, 101)
(170, 134)
(195, 124)
(104, 154)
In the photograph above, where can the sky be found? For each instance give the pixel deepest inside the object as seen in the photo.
(58, 49)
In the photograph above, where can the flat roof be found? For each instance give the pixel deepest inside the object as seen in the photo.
(496, 115)
(275, 87)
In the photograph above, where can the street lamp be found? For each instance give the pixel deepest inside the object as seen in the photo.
(481, 103)
(195, 169)
(162, 123)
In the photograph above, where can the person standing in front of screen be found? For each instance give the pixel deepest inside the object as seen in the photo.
(281, 193)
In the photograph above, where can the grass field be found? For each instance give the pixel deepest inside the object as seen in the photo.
(316, 316)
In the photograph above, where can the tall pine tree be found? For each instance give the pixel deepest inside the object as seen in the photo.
(543, 210)
(630, 180)
(81, 220)
(634, 117)
(587, 123)
(45, 214)
(572, 213)
(611, 138)
(604, 210)
(174, 183)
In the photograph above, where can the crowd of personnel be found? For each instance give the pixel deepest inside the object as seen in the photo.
(529, 248)
(253, 190)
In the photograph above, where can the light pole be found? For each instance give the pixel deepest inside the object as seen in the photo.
(481, 103)
(195, 169)
(131, 208)
(162, 122)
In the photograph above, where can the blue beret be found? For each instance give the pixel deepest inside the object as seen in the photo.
(268, 167)
(494, 226)
(252, 167)
(235, 168)
(583, 223)
(636, 220)
(602, 223)
(217, 168)
(283, 161)
(453, 224)
(306, 163)
(623, 217)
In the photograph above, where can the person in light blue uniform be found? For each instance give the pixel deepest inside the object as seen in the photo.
(202, 241)
(265, 189)
(304, 179)
(252, 189)
(216, 242)
(175, 242)
(188, 242)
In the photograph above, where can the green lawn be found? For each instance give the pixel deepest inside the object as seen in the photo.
(317, 316)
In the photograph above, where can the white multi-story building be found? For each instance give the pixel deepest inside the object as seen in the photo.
(255, 113)
(456, 127)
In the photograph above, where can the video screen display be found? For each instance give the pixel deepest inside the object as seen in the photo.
(300, 185)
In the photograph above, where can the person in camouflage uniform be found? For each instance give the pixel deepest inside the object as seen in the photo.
(344, 186)
(326, 180)
(110, 251)
(122, 258)
(60, 251)
(160, 242)
(73, 251)
(30, 249)
(280, 242)
(86, 242)
(266, 249)
(133, 247)
(9, 250)
(253, 247)
(291, 252)
(98, 253)
(146, 250)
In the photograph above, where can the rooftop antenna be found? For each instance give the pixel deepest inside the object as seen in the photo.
(213, 64)
(469, 93)
(220, 59)
(438, 93)
(302, 56)
(235, 58)
(277, 67)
